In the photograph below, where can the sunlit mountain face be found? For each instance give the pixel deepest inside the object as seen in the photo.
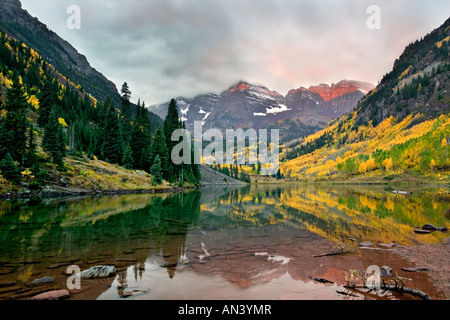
(247, 105)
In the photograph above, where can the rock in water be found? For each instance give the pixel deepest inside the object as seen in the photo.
(366, 244)
(429, 226)
(98, 272)
(42, 280)
(414, 269)
(52, 295)
(386, 271)
(64, 182)
(422, 231)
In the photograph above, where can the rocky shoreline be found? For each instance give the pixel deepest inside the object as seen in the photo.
(57, 192)
(432, 257)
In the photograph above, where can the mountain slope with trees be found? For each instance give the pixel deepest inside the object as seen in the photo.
(45, 123)
(400, 129)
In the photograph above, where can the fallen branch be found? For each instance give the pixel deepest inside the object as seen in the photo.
(356, 280)
(334, 251)
(395, 288)
(327, 254)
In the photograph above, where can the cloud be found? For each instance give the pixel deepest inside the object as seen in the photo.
(168, 48)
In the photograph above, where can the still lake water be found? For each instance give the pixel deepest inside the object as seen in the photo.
(253, 242)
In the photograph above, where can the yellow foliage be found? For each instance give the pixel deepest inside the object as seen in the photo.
(62, 122)
(33, 101)
(371, 165)
(27, 175)
(388, 164)
(363, 167)
(405, 73)
(432, 164)
(439, 44)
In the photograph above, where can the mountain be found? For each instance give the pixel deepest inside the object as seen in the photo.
(399, 130)
(246, 105)
(19, 24)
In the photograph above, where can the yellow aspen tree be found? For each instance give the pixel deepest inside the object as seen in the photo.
(388, 164)
(432, 164)
(362, 167)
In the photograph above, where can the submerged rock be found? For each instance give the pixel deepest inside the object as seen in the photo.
(98, 272)
(415, 269)
(422, 231)
(42, 280)
(387, 245)
(365, 244)
(429, 226)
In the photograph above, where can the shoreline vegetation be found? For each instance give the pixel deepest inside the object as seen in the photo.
(95, 177)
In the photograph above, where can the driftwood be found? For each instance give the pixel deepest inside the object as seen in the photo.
(356, 280)
(396, 288)
(323, 280)
(327, 254)
(346, 293)
(334, 251)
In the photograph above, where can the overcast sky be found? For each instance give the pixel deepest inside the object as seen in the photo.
(171, 48)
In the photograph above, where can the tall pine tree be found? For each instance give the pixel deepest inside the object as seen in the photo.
(53, 141)
(172, 123)
(125, 123)
(112, 142)
(141, 138)
(159, 148)
(47, 101)
(15, 123)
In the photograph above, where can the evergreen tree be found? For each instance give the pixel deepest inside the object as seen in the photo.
(53, 141)
(159, 148)
(47, 101)
(15, 124)
(112, 143)
(156, 171)
(9, 169)
(126, 127)
(127, 160)
(141, 139)
(31, 158)
(171, 123)
(3, 137)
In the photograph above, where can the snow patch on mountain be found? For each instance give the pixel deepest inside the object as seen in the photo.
(280, 108)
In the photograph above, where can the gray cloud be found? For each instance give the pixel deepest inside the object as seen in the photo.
(167, 48)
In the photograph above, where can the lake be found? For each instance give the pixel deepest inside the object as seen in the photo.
(252, 242)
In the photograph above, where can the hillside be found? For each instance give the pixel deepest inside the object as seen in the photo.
(20, 25)
(400, 129)
(54, 134)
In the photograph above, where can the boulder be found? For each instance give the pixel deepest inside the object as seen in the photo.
(386, 271)
(429, 226)
(387, 245)
(42, 280)
(365, 244)
(98, 272)
(64, 182)
(52, 295)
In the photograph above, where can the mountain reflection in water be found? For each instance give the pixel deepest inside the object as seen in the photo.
(252, 242)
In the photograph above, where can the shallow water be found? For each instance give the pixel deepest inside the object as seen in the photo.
(253, 242)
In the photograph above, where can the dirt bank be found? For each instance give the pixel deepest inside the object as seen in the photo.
(435, 258)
